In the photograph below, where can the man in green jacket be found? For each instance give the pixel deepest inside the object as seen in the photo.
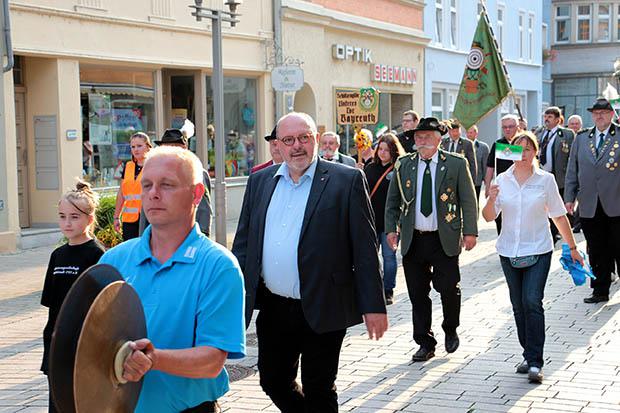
(432, 206)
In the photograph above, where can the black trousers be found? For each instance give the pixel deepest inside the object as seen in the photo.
(206, 407)
(478, 187)
(285, 339)
(602, 234)
(426, 262)
(51, 406)
(131, 230)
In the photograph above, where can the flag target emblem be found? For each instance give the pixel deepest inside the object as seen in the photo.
(475, 58)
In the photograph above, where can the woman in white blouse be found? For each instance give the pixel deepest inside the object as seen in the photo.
(527, 196)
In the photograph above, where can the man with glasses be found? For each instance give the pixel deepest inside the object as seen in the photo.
(510, 127)
(593, 180)
(307, 246)
(409, 122)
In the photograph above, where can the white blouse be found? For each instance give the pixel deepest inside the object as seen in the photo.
(525, 213)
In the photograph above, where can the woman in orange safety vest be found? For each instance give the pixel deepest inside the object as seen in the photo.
(128, 202)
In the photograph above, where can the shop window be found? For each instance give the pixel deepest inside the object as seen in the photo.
(562, 24)
(114, 105)
(604, 23)
(240, 125)
(583, 23)
(182, 100)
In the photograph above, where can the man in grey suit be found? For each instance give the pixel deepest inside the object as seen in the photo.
(482, 155)
(455, 143)
(593, 179)
(329, 146)
(554, 142)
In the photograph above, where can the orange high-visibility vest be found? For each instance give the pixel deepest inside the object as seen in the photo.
(132, 193)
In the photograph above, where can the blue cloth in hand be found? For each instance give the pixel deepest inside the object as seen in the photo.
(575, 269)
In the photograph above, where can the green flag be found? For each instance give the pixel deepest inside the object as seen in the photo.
(508, 152)
(485, 81)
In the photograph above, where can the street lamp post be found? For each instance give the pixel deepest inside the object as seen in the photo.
(217, 17)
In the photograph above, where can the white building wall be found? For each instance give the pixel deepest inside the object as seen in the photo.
(445, 61)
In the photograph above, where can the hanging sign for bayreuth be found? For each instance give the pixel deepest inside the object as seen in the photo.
(287, 78)
(357, 106)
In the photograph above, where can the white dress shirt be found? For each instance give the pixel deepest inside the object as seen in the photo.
(285, 216)
(549, 165)
(428, 223)
(526, 211)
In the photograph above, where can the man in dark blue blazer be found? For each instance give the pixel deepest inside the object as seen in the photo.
(307, 246)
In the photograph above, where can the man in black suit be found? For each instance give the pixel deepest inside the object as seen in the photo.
(409, 123)
(307, 246)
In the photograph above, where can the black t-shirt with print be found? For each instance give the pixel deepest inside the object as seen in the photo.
(66, 264)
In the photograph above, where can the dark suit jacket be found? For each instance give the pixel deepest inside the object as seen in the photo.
(561, 150)
(466, 148)
(339, 271)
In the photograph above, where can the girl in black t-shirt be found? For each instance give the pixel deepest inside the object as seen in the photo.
(76, 218)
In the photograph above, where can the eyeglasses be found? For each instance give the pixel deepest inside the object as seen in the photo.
(290, 140)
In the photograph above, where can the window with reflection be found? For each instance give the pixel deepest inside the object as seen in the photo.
(115, 103)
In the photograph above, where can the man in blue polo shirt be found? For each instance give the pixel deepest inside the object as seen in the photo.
(190, 287)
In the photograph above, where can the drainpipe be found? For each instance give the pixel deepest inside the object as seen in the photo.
(7, 37)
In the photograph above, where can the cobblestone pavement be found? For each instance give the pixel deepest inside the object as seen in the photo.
(582, 350)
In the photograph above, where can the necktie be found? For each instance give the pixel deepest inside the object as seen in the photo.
(599, 145)
(426, 203)
(452, 147)
(543, 148)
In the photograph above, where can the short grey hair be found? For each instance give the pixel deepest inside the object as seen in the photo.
(511, 116)
(332, 133)
(575, 117)
(191, 163)
(304, 116)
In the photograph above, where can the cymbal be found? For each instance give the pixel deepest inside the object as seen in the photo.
(99, 315)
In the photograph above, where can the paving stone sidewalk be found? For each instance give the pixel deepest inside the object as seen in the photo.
(582, 350)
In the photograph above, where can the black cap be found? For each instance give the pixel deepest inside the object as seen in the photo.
(172, 136)
(601, 104)
(431, 124)
(272, 136)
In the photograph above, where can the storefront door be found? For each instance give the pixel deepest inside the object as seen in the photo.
(22, 160)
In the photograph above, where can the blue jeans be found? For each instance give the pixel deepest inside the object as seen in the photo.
(527, 288)
(389, 263)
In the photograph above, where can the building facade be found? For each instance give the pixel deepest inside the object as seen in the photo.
(344, 45)
(451, 25)
(586, 42)
(89, 73)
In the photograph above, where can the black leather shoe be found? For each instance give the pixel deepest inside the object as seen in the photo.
(389, 298)
(523, 368)
(452, 342)
(595, 298)
(423, 354)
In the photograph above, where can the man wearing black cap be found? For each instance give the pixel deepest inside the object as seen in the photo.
(593, 180)
(273, 150)
(434, 201)
(176, 137)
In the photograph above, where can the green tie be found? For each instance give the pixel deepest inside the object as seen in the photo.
(426, 203)
(601, 139)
